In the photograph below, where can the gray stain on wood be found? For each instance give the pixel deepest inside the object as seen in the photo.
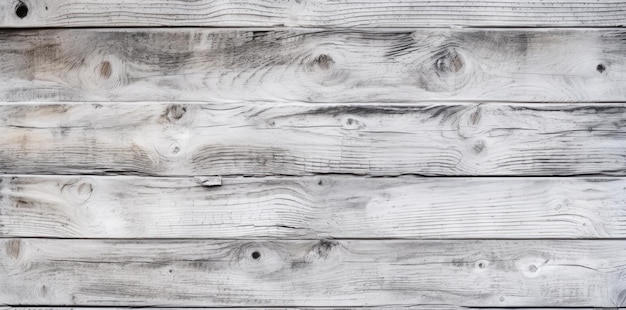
(13, 248)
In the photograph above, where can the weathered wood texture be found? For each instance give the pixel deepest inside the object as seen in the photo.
(290, 139)
(313, 273)
(312, 207)
(313, 65)
(315, 13)
(419, 307)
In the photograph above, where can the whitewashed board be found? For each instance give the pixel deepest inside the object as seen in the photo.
(312, 207)
(307, 13)
(299, 139)
(501, 273)
(334, 66)
(417, 307)
(418, 154)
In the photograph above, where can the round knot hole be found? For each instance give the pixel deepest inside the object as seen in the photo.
(21, 10)
(532, 268)
(600, 68)
(256, 255)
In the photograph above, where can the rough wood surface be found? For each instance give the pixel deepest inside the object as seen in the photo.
(220, 65)
(291, 139)
(307, 13)
(312, 207)
(418, 307)
(313, 273)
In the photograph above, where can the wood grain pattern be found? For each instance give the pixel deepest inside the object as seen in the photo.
(312, 207)
(291, 139)
(419, 307)
(331, 66)
(313, 273)
(312, 13)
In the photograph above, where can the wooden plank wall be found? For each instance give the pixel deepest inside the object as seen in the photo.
(444, 154)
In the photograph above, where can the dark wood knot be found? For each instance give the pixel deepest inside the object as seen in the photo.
(449, 61)
(324, 62)
(175, 112)
(105, 69)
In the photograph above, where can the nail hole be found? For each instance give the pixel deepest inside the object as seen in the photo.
(256, 255)
(481, 265)
(171, 271)
(600, 68)
(21, 10)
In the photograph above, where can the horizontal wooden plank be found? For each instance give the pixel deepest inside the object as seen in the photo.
(398, 65)
(313, 273)
(290, 139)
(420, 307)
(307, 13)
(312, 207)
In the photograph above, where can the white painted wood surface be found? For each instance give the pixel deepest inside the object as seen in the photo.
(313, 273)
(312, 13)
(419, 307)
(298, 139)
(389, 65)
(312, 207)
(343, 112)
